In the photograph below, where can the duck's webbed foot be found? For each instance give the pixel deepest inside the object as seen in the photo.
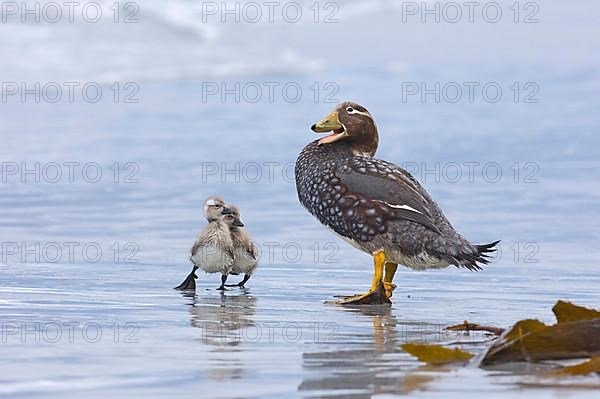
(389, 288)
(377, 297)
(189, 284)
(223, 280)
(241, 283)
(381, 288)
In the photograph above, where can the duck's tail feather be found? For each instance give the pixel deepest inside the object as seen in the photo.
(473, 257)
(481, 256)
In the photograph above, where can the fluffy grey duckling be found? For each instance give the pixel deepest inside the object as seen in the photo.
(213, 249)
(245, 250)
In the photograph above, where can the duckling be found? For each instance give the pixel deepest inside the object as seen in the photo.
(375, 205)
(245, 250)
(213, 249)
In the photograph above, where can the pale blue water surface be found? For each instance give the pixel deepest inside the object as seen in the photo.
(81, 324)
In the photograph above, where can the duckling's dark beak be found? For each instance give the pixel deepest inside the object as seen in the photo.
(238, 223)
(329, 123)
(227, 211)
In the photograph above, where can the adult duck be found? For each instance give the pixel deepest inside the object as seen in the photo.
(375, 205)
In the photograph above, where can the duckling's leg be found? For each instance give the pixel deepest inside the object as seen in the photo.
(377, 294)
(241, 283)
(390, 270)
(189, 284)
(246, 278)
(223, 280)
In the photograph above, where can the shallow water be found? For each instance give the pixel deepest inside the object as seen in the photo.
(89, 261)
(277, 337)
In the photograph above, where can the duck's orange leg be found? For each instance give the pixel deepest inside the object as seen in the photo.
(390, 270)
(377, 294)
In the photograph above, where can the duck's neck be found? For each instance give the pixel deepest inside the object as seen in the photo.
(339, 150)
(335, 150)
(364, 144)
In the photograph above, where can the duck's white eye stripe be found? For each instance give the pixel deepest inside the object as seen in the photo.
(354, 111)
(408, 208)
(211, 202)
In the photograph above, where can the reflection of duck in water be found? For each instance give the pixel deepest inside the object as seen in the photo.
(354, 368)
(362, 365)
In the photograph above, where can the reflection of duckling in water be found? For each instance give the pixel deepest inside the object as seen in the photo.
(223, 318)
(245, 250)
(224, 321)
(213, 249)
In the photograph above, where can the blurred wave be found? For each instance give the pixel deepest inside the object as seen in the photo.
(170, 40)
(183, 39)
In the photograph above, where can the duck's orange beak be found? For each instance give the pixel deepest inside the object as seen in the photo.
(330, 123)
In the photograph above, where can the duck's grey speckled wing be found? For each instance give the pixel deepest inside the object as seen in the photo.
(384, 181)
(390, 192)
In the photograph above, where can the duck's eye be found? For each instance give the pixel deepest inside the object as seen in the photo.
(217, 206)
(349, 109)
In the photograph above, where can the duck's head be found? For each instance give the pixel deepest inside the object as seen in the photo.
(232, 216)
(352, 124)
(214, 208)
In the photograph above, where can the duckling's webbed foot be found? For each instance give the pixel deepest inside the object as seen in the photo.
(189, 284)
(223, 280)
